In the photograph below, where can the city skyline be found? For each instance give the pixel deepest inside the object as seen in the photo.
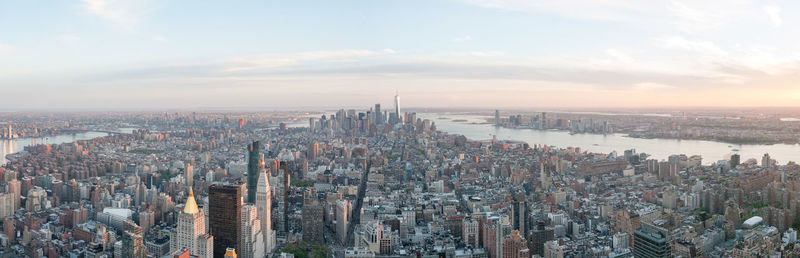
(132, 55)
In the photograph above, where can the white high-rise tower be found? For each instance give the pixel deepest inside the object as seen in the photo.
(190, 232)
(397, 107)
(252, 245)
(264, 206)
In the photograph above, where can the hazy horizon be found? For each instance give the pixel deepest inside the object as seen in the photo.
(507, 54)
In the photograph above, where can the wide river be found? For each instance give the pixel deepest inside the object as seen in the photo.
(476, 128)
(17, 145)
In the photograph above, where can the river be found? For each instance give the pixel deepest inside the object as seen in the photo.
(475, 128)
(17, 145)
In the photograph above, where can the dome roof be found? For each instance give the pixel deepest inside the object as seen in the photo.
(191, 204)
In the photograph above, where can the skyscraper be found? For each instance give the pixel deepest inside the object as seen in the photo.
(15, 187)
(520, 215)
(6, 204)
(225, 211)
(188, 171)
(312, 151)
(342, 219)
(397, 108)
(544, 121)
(285, 197)
(252, 245)
(312, 219)
(190, 231)
(538, 237)
(497, 117)
(735, 159)
(132, 244)
(264, 206)
(36, 199)
(378, 118)
(649, 243)
(252, 170)
(514, 246)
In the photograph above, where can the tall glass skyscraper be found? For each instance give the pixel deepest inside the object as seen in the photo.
(252, 170)
(224, 215)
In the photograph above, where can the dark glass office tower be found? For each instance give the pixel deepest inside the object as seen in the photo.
(224, 215)
(252, 170)
(650, 244)
(540, 235)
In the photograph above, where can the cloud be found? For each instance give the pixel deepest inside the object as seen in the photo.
(619, 55)
(651, 86)
(608, 10)
(683, 15)
(732, 64)
(292, 59)
(4, 48)
(698, 46)
(479, 54)
(700, 16)
(389, 51)
(774, 13)
(367, 64)
(462, 39)
(67, 37)
(119, 11)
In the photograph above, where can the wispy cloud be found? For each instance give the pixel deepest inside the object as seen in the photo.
(774, 13)
(462, 39)
(119, 11)
(651, 86)
(698, 46)
(683, 15)
(619, 55)
(292, 59)
(67, 38)
(612, 10)
(479, 54)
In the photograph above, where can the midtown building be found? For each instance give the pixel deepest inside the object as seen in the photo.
(225, 211)
(190, 231)
(312, 219)
(650, 244)
(397, 109)
(342, 219)
(514, 246)
(264, 206)
(253, 157)
(188, 172)
(538, 237)
(252, 245)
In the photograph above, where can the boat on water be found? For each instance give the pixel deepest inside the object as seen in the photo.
(735, 149)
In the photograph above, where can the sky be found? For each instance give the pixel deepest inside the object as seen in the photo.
(147, 54)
